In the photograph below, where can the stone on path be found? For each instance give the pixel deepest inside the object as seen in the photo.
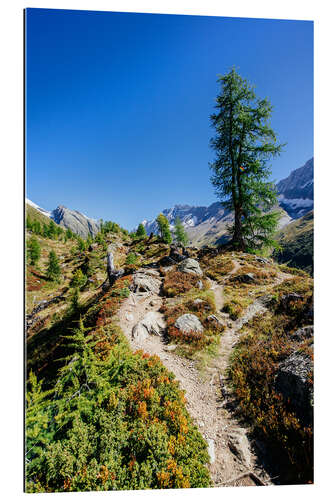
(152, 324)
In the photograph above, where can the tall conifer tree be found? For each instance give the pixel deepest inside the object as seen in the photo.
(244, 143)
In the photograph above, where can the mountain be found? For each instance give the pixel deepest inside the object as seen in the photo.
(296, 191)
(36, 207)
(204, 225)
(296, 241)
(70, 219)
(76, 221)
(208, 225)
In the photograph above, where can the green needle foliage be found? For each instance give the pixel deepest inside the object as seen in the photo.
(33, 251)
(164, 228)
(115, 421)
(180, 233)
(53, 269)
(141, 231)
(244, 143)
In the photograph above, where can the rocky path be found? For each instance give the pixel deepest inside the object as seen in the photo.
(233, 462)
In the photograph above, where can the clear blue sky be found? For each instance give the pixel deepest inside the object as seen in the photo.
(118, 104)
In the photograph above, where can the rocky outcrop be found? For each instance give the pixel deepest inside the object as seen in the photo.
(143, 281)
(239, 445)
(75, 221)
(292, 381)
(303, 333)
(152, 324)
(244, 278)
(296, 191)
(189, 323)
(190, 266)
(113, 274)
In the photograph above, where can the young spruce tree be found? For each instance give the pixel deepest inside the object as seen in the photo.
(53, 269)
(180, 233)
(141, 231)
(164, 228)
(33, 251)
(244, 143)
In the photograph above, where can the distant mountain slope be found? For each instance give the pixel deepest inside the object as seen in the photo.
(208, 225)
(70, 219)
(204, 225)
(296, 191)
(296, 241)
(36, 214)
(36, 207)
(76, 221)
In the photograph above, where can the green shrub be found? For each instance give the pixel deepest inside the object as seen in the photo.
(131, 258)
(79, 279)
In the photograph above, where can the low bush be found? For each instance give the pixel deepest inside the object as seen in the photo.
(265, 343)
(176, 283)
(113, 420)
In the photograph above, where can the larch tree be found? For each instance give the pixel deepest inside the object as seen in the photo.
(244, 143)
(180, 233)
(164, 228)
(141, 231)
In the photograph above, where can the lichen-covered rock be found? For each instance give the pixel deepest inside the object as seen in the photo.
(189, 323)
(244, 278)
(143, 282)
(190, 266)
(292, 381)
(303, 333)
(152, 324)
(239, 445)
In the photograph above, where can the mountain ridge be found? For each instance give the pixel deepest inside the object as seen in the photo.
(209, 225)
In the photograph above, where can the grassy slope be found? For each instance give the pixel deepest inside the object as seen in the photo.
(47, 345)
(296, 240)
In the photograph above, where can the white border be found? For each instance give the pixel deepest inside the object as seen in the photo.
(11, 230)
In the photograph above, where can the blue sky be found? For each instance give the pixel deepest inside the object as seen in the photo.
(118, 105)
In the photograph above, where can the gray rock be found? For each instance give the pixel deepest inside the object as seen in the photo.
(303, 333)
(211, 450)
(214, 320)
(170, 348)
(244, 278)
(239, 445)
(262, 260)
(152, 324)
(189, 323)
(190, 266)
(292, 382)
(143, 282)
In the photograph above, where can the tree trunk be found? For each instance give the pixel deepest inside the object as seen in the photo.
(113, 274)
(237, 239)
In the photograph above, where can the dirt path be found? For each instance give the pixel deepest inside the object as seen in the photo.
(229, 448)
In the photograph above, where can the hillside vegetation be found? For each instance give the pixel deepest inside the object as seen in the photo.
(296, 241)
(106, 407)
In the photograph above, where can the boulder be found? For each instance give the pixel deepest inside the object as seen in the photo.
(189, 323)
(262, 260)
(293, 383)
(167, 261)
(303, 333)
(239, 445)
(244, 278)
(143, 282)
(190, 266)
(288, 299)
(152, 324)
(176, 255)
(214, 321)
